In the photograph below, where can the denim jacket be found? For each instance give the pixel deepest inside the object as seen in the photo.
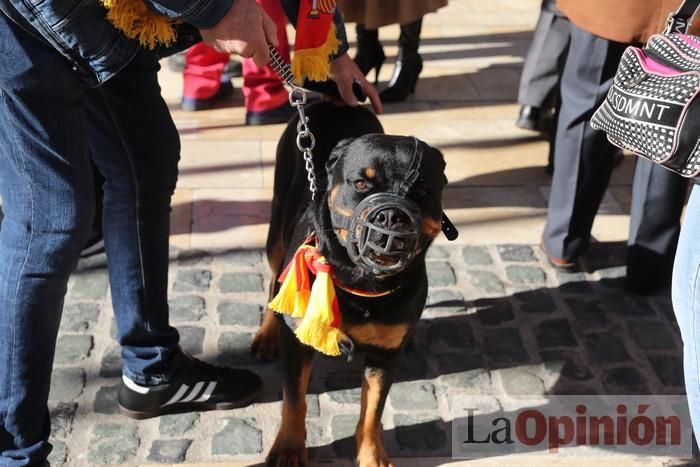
(80, 31)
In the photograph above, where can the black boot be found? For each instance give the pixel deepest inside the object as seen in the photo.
(409, 64)
(370, 53)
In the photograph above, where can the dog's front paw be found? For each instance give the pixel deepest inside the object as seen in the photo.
(284, 454)
(370, 457)
(264, 345)
(370, 450)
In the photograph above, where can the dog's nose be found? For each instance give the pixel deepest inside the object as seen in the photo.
(392, 219)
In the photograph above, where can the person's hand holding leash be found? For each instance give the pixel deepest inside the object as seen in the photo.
(245, 30)
(345, 72)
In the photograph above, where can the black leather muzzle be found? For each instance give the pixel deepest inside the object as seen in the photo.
(385, 228)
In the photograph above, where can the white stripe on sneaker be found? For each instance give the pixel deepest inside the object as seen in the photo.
(194, 392)
(207, 392)
(178, 395)
(133, 386)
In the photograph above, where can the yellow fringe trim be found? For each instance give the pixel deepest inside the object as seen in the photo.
(137, 21)
(314, 306)
(322, 338)
(288, 300)
(314, 63)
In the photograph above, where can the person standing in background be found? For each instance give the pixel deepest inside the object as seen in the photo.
(538, 94)
(205, 84)
(266, 99)
(370, 16)
(584, 159)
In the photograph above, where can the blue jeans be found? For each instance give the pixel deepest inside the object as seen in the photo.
(50, 128)
(686, 302)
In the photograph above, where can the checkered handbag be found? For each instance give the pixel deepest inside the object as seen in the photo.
(652, 108)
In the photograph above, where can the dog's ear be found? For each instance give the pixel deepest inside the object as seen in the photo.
(437, 154)
(337, 153)
(443, 165)
(439, 157)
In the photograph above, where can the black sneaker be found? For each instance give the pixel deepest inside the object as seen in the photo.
(195, 386)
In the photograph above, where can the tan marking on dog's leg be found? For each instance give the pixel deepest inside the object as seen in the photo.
(387, 336)
(289, 448)
(266, 340)
(368, 435)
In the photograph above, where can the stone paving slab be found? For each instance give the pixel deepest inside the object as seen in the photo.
(499, 323)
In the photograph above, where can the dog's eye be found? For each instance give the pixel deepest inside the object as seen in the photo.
(360, 185)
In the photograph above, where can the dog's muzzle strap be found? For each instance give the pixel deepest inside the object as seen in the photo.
(413, 171)
(370, 232)
(448, 228)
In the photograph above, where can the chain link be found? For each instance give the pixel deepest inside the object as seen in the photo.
(297, 99)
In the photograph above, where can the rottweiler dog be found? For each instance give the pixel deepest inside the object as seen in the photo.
(376, 245)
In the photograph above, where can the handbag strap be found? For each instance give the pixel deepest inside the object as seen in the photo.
(679, 21)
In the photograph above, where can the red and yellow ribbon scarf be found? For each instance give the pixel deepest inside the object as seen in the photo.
(315, 40)
(315, 304)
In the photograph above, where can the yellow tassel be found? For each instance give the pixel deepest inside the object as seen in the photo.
(322, 338)
(301, 303)
(315, 328)
(137, 21)
(292, 297)
(290, 301)
(314, 306)
(313, 63)
(320, 308)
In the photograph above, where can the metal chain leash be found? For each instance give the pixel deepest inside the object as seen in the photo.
(297, 99)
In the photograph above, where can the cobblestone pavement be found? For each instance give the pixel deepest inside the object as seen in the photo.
(499, 323)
